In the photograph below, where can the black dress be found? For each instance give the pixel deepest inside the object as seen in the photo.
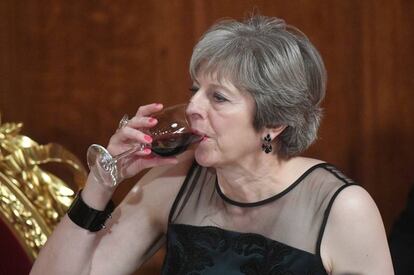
(209, 233)
(402, 239)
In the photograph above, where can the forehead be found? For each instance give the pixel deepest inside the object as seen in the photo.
(219, 79)
(222, 70)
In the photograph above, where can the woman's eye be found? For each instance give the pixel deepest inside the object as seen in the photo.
(193, 90)
(218, 97)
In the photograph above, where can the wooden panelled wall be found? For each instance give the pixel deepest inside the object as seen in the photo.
(69, 70)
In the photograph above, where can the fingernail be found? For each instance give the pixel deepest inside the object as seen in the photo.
(147, 151)
(148, 138)
(152, 120)
(158, 104)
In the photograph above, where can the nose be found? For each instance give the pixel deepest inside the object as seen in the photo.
(196, 108)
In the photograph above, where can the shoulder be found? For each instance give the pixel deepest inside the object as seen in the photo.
(320, 173)
(353, 204)
(310, 164)
(354, 238)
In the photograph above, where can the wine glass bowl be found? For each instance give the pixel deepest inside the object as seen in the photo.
(172, 135)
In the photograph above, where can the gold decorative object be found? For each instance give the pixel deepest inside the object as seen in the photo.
(32, 199)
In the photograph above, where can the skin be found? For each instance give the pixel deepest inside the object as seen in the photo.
(354, 241)
(224, 115)
(139, 222)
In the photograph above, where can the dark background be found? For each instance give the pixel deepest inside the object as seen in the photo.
(69, 70)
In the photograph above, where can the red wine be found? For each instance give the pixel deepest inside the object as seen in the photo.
(174, 144)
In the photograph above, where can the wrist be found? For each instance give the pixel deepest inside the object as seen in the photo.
(96, 194)
(87, 217)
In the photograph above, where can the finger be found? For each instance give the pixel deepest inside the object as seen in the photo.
(129, 133)
(142, 122)
(143, 153)
(149, 109)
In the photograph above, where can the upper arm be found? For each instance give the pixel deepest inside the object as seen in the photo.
(354, 241)
(136, 229)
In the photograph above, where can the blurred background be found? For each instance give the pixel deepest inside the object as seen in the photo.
(69, 70)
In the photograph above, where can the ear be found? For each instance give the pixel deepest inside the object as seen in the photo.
(273, 132)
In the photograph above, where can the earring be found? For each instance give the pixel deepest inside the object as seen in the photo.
(267, 145)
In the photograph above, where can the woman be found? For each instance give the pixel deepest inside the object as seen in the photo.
(248, 204)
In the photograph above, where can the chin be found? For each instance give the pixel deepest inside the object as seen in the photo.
(204, 158)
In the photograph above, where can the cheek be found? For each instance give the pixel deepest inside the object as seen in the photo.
(234, 128)
(238, 140)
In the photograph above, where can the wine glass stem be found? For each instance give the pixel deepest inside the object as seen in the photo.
(128, 152)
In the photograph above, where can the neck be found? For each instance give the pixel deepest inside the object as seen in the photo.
(253, 180)
(262, 177)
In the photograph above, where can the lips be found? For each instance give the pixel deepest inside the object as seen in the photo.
(199, 133)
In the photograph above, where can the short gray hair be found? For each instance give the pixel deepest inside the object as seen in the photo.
(278, 66)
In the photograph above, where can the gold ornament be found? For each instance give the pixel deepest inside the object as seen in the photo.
(32, 199)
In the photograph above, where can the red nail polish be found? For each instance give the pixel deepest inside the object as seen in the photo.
(148, 138)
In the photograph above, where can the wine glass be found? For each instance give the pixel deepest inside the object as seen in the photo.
(171, 136)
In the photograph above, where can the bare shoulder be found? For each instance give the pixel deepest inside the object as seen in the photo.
(354, 202)
(354, 240)
(354, 207)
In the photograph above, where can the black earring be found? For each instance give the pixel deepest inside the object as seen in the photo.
(267, 145)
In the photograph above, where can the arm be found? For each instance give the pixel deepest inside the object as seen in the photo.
(355, 241)
(137, 224)
(133, 234)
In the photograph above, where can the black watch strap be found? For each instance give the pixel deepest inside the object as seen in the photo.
(88, 218)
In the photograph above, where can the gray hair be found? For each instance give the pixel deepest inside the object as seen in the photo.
(278, 66)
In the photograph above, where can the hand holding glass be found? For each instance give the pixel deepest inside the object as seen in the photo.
(171, 136)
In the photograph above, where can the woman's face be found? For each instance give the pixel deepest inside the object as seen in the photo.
(224, 116)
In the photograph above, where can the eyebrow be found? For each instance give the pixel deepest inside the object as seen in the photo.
(217, 84)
